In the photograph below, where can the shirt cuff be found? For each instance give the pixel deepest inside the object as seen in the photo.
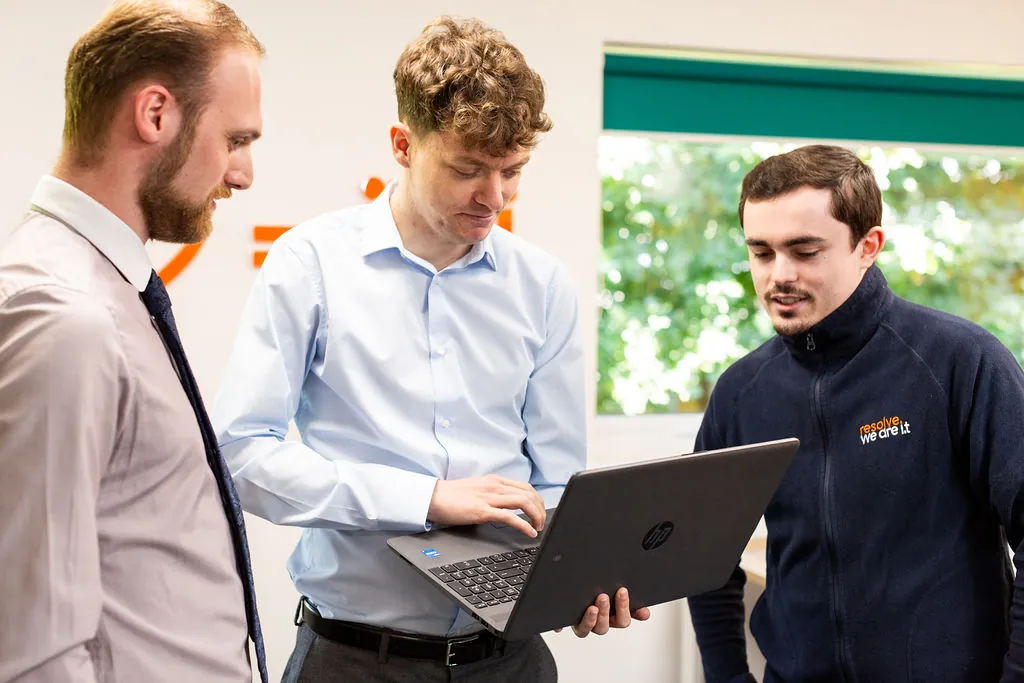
(407, 499)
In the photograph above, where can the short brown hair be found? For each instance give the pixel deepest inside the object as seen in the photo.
(137, 39)
(856, 198)
(466, 78)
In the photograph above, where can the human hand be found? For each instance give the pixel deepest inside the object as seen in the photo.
(597, 619)
(487, 499)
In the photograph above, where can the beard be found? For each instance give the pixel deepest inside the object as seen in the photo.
(788, 324)
(169, 217)
(791, 327)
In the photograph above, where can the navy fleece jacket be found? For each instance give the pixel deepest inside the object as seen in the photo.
(886, 555)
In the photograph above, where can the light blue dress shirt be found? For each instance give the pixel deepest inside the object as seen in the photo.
(396, 375)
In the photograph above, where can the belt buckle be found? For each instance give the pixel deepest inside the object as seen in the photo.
(449, 651)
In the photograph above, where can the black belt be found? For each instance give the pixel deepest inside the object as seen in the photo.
(450, 652)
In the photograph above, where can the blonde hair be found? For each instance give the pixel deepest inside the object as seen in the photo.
(177, 43)
(466, 78)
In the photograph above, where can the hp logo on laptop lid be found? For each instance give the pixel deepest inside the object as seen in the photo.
(657, 536)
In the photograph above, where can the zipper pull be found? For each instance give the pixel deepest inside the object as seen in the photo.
(810, 342)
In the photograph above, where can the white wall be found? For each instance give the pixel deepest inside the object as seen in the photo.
(327, 105)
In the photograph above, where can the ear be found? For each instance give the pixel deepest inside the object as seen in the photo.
(871, 246)
(401, 140)
(156, 114)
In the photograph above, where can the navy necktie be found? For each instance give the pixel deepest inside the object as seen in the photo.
(159, 306)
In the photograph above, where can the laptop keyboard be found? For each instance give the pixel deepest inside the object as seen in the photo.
(490, 580)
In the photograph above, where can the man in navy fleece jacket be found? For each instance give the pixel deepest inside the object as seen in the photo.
(887, 539)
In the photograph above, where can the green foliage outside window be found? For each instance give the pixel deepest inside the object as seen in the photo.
(677, 302)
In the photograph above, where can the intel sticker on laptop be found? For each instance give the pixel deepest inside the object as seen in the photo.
(430, 552)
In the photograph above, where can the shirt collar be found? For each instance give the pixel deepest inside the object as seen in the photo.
(96, 223)
(381, 234)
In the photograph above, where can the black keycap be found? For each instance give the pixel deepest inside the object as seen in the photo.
(500, 584)
(468, 564)
(517, 580)
(532, 551)
(522, 553)
(493, 603)
(486, 561)
(476, 590)
(437, 571)
(462, 590)
(474, 599)
(497, 558)
(509, 555)
(489, 586)
(507, 599)
(467, 582)
(479, 580)
(458, 576)
(450, 568)
(469, 572)
(501, 566)
(511, 591)
(509, 573)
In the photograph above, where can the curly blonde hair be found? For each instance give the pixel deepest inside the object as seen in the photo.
(465, 78)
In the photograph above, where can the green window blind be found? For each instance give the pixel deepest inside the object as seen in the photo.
(702, 95)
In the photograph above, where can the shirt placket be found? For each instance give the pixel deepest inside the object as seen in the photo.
(443, 370)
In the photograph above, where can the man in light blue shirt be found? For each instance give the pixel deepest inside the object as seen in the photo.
(433, 367)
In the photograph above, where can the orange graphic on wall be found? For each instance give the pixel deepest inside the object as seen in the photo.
(177, 264)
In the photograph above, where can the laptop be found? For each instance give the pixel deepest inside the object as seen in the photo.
(665, 529)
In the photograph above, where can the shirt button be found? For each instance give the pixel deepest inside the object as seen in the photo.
(446, 423)
(442, 351)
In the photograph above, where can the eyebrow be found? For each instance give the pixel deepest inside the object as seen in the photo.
(247, 135)
(795, 242)
(476, 163)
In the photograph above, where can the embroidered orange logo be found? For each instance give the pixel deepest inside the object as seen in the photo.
(886, 428)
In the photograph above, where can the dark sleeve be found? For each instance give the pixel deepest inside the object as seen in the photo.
(993, 413)
(719, 619)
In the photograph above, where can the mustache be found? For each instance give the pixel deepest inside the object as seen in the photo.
(786, 290)
(222, 192)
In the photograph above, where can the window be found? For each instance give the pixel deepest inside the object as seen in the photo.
(677, 305)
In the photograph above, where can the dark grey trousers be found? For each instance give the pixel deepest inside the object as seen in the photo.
(318, 660)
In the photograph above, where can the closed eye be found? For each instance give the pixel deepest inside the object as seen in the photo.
(461, 173)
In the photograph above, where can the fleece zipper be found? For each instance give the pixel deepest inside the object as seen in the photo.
(830, 530)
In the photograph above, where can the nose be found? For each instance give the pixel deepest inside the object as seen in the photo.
(490, 193)
(239, 175)
(784, 269)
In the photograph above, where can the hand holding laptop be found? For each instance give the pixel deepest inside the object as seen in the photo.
(598, 618)
(495, 499)
(487, 499)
